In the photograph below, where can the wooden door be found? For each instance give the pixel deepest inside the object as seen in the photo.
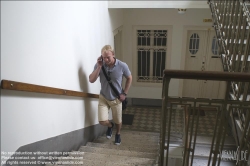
(212, 62)
(202, 55)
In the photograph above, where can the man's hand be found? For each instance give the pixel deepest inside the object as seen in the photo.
(95, 74)
(122, 97)
(100, 61)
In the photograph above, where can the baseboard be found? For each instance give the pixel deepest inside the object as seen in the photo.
(144, 102)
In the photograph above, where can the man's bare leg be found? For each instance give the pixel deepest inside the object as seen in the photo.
(106, 123)
(118, 128)
(110, 127)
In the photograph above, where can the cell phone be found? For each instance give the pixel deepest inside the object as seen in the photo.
(101, 58)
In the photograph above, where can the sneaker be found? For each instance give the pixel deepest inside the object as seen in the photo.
(117, 139)
(109, 131)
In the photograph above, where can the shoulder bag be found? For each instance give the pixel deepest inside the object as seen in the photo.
(124, 102)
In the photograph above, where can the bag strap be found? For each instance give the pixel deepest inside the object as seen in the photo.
(110, 82)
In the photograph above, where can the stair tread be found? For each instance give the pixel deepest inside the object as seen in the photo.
(199, 162)
(124, 142)
(133, 135)
(118, 152)
(205, 151)
(137, 132)
(146, 148)
(86, 162)
(114, 158)
(133, 139)
(205, 140)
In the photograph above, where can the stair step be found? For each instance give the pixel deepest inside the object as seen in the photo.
(134, 135)
(137, 148)
(204, 152)
(116, 159)
(145, 148)
(206, 141)
(118, 152)
(199, 162)
(125, 142)
(100, 163)
(86, 162)
(124, 132)
(140, 139)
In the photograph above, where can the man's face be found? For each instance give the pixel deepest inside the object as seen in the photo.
(108, 57)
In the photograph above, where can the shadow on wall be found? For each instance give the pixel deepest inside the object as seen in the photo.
(89, 118)
(40, 152)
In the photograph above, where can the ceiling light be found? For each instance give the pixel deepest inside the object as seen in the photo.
(181, 11)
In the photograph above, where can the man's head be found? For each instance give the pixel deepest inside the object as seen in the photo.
(108, 55)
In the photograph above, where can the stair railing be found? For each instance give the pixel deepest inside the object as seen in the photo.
(20, 86)
(224, 109)
(231, 21)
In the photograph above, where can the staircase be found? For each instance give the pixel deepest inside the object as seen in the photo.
(232, 25)
(137, 148)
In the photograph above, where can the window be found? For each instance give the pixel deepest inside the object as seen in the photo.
(151, 53)
(215, 46)
(194, 42)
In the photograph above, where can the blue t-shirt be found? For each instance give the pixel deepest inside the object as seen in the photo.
(116, 74)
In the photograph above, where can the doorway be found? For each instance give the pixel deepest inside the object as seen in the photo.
(202, 55)
(118, 43)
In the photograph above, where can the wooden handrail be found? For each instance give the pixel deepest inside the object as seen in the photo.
(207, 75)
(20, 86)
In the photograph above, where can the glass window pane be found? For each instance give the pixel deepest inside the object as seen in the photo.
(159, 60)
(194, 42)
(143, 37)
(160, 37)
(143, 64)
(214, 46)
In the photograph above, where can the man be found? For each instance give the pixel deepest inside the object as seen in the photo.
(115, 69)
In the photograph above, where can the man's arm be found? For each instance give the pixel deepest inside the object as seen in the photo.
(128, 84)
(95, 74)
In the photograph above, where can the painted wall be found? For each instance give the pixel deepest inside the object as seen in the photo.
(52, 44)
(56, 44)
(159, 4)
(135, 17)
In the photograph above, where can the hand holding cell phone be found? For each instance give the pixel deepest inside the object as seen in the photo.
(100, 60)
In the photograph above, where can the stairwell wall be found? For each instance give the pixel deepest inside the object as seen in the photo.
(160, 17)
(53, 44)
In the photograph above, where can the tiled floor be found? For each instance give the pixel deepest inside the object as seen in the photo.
(148, 119)
(145, 119)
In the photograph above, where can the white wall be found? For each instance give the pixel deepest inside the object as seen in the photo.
(135, 17)
(52, 44)
(158, 4)
(116, 16)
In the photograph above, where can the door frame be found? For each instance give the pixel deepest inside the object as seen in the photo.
(187, 28)
(115, 32)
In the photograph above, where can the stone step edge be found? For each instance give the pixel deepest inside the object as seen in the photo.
(93, 162)
(128, 146)
(133, 148)
(138, 132)
(124, 143)
(128, 151)
(117, 164)
(135, 135)
(154, 161)
(131, 138)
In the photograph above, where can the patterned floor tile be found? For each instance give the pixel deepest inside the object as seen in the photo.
(148, 119)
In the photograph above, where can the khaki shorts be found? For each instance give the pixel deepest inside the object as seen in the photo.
(104, 106)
